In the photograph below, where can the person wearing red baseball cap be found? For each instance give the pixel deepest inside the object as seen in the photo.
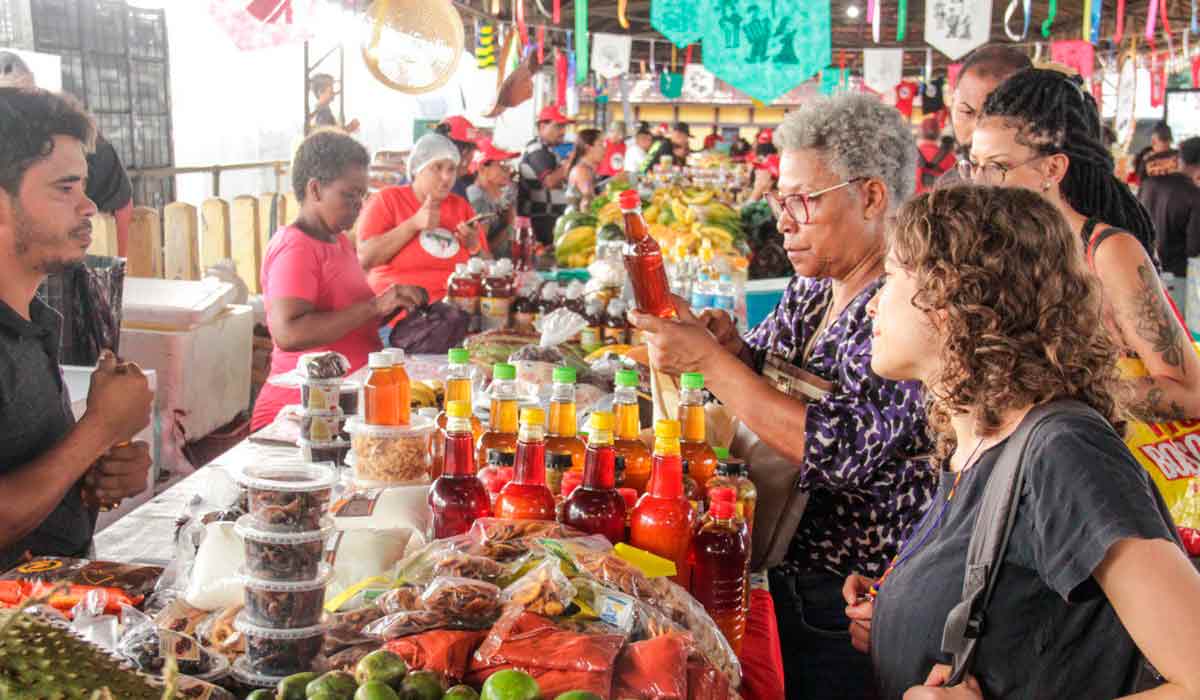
(464, 135)
(493, 193)
(541, 191)
(711, 141)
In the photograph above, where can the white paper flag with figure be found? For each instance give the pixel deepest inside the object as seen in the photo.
(610, 54)
(954, 27)
(699, 83)
(883, 69)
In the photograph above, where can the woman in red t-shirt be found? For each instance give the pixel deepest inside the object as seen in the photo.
(416, 234)
(315, 292)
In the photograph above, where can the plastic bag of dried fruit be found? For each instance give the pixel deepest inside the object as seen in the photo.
(463, 599)
(545, 590)
(456, 556)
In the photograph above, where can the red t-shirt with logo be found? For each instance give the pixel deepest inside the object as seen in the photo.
(614, 159)
(428, 259)
(906, 92)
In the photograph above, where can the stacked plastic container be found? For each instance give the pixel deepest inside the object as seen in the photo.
(325, 403)
(287, 536)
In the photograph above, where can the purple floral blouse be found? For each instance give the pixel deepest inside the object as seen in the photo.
(866, 469)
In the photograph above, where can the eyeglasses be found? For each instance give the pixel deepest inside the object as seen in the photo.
(797, 205)
(991, 173)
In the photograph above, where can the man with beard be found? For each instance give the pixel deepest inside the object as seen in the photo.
(54, 472)
(982, 72)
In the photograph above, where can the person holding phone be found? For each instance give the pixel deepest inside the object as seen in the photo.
(493, 195)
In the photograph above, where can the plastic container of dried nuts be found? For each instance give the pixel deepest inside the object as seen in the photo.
(289, 496)
(286, 604)
(391, 455)
(277, 652)
(283, 556)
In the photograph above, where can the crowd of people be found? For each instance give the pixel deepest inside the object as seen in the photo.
(918, 333)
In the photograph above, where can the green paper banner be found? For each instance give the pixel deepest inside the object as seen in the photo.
(670, 85)
(831, 81)
(678, 20)
(765, 48)
(581, 42)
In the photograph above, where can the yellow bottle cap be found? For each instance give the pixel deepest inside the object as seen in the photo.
(458, 409)
(666, 429)
(602, 420)
(533, 416)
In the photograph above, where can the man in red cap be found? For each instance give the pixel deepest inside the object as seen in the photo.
(492, 194)
(711, 141)
(464, 135)
(541, 194)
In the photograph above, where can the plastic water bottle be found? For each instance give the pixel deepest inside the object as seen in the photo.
(725, 295)
(703, 294)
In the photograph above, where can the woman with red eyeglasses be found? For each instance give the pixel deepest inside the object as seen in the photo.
(802, 381)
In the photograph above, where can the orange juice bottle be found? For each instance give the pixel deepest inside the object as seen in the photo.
(381, 393)
(702, 461)
(562, 431)
(627, 444)
(404, 386)
(501, 434)
(663, 521)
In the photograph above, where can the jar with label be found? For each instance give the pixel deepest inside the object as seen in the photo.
(616, 326)
(463, 291)
(496, 303)
(591, 337)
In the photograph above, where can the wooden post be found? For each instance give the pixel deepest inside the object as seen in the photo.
(247, 255)
(181, 239)
(145, 244)
(104, 235)
(291, 208)
(214, 232)
(268, 214)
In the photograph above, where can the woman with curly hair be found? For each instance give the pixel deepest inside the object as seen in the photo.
(990, 305)
(1040, 130)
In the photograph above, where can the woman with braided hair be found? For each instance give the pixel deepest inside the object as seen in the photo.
(1041, 130)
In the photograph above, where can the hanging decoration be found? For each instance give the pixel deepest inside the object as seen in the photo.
(1086, 18)
(670, 83)
(677, 19)
(1151, 23)
(687, 55)
(264, 23)
(581, 41)
(610, 54)
(882, 68)
(621, 7)
(1076, 53)
(901, 20)
(485, 45)
(699, 84)
(1050, 15)
(928, 65)
(653, 65)
(541, 6)
(955, 27)
(873, 16)
(519, 15)
(556, 12)
(767, 49)
(1158, 79)
(1195, 20)
(541, 43)
(561, 78)
(1008, 15)
(1123, 119)
(1119, 29)
(1097, 19)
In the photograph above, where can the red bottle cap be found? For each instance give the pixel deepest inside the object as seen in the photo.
(630, 199)
(630, 496)
(720, 503)
(570, 481)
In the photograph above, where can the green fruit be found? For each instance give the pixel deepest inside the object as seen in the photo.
(375, 690)
(511, 685)
(293, 687)
(337, 684)
(322, 695)
(461, 692)
(422, 685)
(261, 694)
(381, 665)
(578, 695)
(610, 232)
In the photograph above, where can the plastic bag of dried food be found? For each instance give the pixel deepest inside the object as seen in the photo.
(188, 688)
(463, 598)
(71, 579)
(486, 530)
(706, 636)
(545, 590)
(537, 645)
(219, 633)
(147, 647)
(706, 682)
(446, 652)
(431, 329)
(653, 669)
(345, 629)
(471, 566)
(402, 624)
(400, 599)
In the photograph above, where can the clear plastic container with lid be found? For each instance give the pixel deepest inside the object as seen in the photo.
(286, 604)
(331, 451)
(391, 455)
(283, 556)
(277, 652)
(321, 426)
(288, 496)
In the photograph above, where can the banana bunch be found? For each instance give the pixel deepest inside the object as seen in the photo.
(428, 393)
(577, 247)
(683, 219)
(610, 214)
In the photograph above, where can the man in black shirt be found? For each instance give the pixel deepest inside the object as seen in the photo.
(672, 151)
(541, 194)
(325, 88)
(54, 473)
(1173, 200)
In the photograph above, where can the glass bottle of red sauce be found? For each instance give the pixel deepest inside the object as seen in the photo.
(524, 244)
(596, 507)
(663, 520)
(720, 558)
(527, 497)
(463, 290)
(458, 497)
(701, 459)
(644, 261)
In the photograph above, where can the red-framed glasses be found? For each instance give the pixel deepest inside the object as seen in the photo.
(798, 205)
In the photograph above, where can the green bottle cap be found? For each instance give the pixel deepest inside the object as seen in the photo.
(564, 375)
(627, 377)
(721, 452)
(504, 371)
(459, 356)
(692, 380)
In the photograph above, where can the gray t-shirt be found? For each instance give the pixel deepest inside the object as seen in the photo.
(498, 232)
(1049, 631)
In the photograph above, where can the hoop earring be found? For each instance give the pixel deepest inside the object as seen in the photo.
(1045, 186)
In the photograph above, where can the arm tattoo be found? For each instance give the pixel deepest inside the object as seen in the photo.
(1154, 408)
(1154, 321)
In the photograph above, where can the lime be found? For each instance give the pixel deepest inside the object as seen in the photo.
(261, 694)
(292, 687)
(578, 695)
(375, 690)
(337, 684)
(422, 685)
(511, 685)
(381, 665)
(461, 692)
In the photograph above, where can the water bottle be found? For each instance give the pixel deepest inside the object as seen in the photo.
(725, 295)
(703, 294)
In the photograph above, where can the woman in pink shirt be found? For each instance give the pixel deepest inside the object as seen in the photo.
(315, 292)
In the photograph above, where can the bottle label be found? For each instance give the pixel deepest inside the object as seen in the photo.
(468, 304)
(359, 504)
(591, 338)
(494, 311)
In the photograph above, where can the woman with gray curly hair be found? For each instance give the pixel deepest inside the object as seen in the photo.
(802, 380)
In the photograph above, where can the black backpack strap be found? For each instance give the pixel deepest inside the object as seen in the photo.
(989, 538)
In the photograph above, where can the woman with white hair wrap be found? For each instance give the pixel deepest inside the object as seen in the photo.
(802, 381)
(415, 234)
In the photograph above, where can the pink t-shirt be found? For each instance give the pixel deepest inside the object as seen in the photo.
(328, 276)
